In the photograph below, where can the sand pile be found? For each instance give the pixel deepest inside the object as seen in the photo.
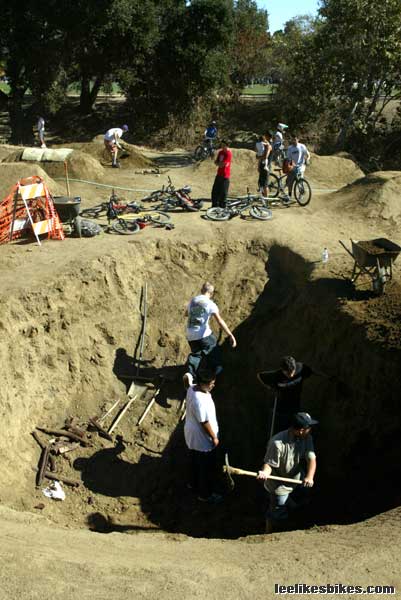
(332, 171)
(375, 196)
(133, 158)
(10, 173)
(80, 165)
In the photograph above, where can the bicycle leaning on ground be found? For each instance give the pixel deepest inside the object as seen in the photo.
(169, 199)
(127, 218)
(254, 204)
(301, 187)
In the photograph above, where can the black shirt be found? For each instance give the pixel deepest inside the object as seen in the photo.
(289, 389)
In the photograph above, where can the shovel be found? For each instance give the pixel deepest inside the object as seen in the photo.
(235, 471)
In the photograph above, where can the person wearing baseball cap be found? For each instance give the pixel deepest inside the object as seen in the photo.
(290, 453)
(112, 143)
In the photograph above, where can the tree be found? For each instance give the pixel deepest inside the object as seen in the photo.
(251, 42)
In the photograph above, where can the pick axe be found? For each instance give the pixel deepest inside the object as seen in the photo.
(235, 471)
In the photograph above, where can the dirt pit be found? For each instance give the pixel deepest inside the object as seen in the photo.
(77, 339)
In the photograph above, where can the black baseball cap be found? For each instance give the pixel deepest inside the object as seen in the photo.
(302, 420)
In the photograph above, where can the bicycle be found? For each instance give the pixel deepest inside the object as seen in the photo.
(123, 215)
(172, 199)
(301, 188)
(255, 204)
(204, 150)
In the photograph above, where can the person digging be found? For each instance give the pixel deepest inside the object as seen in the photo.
(287, 384)
(112, 143)
(290, 453)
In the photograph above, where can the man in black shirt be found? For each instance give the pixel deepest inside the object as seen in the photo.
(287, 384)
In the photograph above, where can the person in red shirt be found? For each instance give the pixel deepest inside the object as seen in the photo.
(222, 180)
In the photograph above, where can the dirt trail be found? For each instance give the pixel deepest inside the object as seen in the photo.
(69, 324)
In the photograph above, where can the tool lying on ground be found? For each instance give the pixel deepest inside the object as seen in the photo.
(235, 471)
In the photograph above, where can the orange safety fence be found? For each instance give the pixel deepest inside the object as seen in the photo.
(31, 193)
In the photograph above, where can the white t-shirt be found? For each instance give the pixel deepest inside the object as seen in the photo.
(298, 154)
(278, 137)
(41, 124)
(200, 408)
(260, 148)
(200, 309)
(112, 134)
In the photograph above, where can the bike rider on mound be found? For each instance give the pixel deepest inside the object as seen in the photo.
(299, 156)
(211, 135)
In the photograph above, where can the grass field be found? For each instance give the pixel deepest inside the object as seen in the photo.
(257, 89)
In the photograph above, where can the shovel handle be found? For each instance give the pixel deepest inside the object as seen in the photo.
(236, 471)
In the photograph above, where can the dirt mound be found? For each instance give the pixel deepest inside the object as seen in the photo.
(375, 196)
(6, 151)
(10, 173)
(80, 166)
(133, 158)
(324, 171)
(333, 171)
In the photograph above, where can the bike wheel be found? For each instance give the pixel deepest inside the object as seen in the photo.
(153, 197)
(156, 216)
(125, 227)
(200, 153)
(273, 186)
(216, 213)
(94, 212)
(302, 191)
(260, 212)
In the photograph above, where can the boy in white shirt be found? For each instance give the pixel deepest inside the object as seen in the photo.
(201, 437)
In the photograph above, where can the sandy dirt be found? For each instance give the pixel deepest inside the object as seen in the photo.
(70, 323)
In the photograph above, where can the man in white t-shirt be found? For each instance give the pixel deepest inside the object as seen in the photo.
(112, 143)
(41, 131)
(299, 156)
(199, 334)
(201, 437)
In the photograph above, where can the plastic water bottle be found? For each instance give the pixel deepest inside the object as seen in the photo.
(325, 255)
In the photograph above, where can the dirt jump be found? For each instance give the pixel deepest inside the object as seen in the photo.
(101, 386)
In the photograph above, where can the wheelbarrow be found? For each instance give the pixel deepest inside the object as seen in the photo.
(375, 259)
(68, 209)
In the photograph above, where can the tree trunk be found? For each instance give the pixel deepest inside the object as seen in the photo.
(21, 129)
(85, 103)
(88, 96)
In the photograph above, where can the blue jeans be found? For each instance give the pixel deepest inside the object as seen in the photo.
(204, 353)
(279, 505)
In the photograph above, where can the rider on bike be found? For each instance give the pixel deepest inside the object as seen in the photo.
(299, 156)
(278, 141)
(210, 135)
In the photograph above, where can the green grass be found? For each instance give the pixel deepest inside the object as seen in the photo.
(257, 89)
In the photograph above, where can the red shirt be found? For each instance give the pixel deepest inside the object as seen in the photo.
(224, 158)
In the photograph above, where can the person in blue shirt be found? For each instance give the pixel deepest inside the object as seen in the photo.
(211, 134)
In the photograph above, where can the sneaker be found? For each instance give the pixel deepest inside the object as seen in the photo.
(116, 165)
(188, 380)
(286, 199)
(212, 499)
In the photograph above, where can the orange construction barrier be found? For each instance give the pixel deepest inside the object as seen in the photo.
(29, 207)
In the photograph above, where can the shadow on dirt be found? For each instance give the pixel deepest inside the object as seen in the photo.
(357, 441)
